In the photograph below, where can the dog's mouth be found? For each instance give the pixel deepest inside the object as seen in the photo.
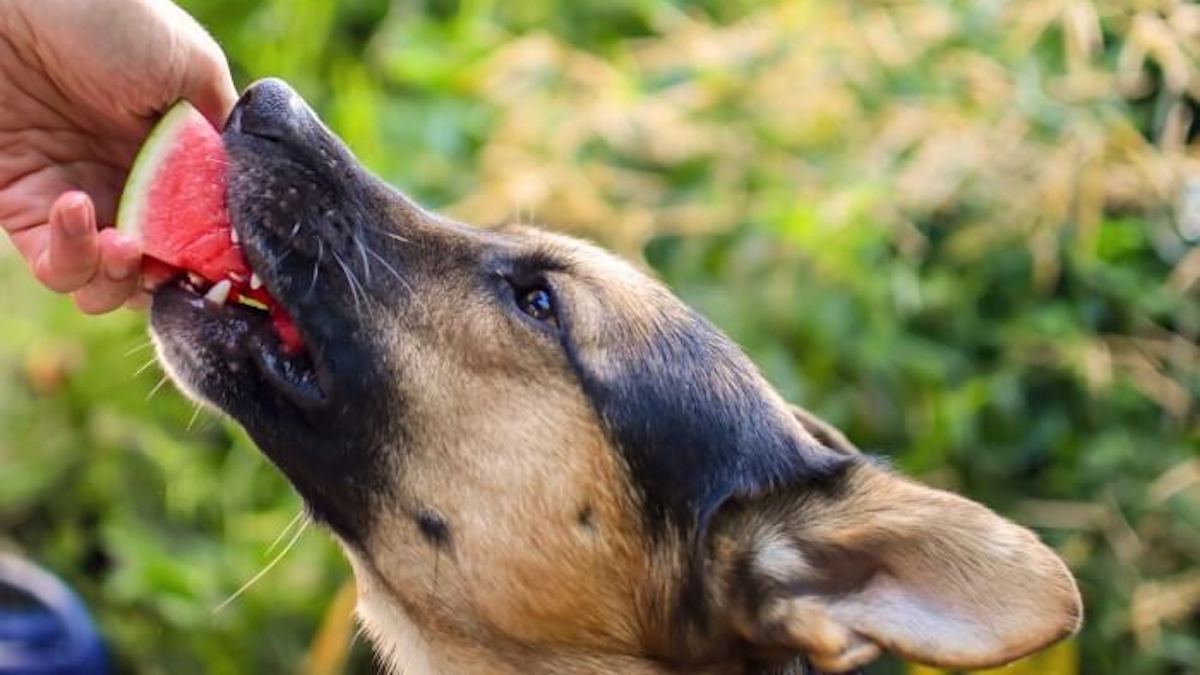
(299, 340)
(243, 338)
(244, 331)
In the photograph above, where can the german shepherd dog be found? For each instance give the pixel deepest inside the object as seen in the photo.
(538, 460)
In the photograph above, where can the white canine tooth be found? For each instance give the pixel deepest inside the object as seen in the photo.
(219, 293)
(196, 279)
(255, 282)
(233, 236)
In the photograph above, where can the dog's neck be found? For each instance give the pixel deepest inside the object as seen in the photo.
(419, 644)
(408, 649)
(405, 648)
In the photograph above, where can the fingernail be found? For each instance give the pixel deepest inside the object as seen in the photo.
(76, 221)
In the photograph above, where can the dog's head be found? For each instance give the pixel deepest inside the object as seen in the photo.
(537, 457)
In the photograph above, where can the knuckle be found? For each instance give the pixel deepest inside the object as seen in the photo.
(58, 280)
(93, 301)
(212, 62)
(66, 270)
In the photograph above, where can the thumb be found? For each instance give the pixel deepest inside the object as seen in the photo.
(206, 82)
(209, 85)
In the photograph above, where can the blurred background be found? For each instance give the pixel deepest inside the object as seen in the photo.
(964, 232)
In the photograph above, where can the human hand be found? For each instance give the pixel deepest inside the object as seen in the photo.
(81, 84)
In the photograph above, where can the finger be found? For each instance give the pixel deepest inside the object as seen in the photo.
(117, 280)
(71, 256)
(209, 85)
(206, 82)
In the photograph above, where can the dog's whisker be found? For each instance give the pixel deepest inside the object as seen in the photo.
(356, 636)
(287, 528)
(266, 568)
(387, 266)
(138, 348)
(389, 235)
(362, 254)
(145, 366)
(157, 387)
(312, 285)
(392, 270)
(197, 408)
(351, 280)
(350, 283)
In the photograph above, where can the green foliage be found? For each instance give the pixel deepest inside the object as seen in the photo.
(965, 232)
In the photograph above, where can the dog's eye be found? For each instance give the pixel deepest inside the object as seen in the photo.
(537, 302)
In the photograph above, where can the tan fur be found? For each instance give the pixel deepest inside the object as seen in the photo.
(510, 453)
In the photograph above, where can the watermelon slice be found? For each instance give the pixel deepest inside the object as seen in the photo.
(174, 203)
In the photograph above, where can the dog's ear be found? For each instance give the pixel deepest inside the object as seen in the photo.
(825, 433)
(876, 562)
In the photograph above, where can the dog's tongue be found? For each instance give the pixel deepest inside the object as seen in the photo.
(174, 202)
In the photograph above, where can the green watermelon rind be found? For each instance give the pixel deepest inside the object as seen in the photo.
(158, 145)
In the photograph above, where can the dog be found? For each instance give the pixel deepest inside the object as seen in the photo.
(538, 460)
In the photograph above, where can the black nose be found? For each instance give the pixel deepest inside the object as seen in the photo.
(271, 109)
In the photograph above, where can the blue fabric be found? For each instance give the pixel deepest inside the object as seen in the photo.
(45, 629)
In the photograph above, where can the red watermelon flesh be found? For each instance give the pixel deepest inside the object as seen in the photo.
(174, 202)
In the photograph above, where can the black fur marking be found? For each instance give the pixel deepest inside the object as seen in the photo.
(434, 528)
(691, 416)
(334, 459)
(586, 517)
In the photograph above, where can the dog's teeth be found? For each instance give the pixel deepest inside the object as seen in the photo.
(233, 236)
(255, 282)
(219, 293)
(196, 279)
(237, 278)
